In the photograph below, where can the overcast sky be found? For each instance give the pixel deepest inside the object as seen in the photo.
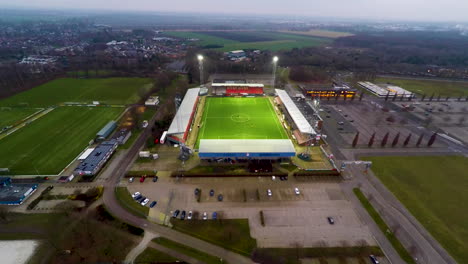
(414, 10)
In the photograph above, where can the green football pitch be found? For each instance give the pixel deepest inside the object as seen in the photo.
(240, 118)
(48, 144)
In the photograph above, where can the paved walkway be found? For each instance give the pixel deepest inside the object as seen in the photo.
(133, 254)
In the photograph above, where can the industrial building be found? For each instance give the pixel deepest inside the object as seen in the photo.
(180, 126)
(122, 135)
(14, 194)
(106, 130)
(246, 148)
(97, 158)
(236, 55)
(301, 128)
(383, 90)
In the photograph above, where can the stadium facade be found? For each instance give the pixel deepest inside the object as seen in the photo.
(236, 87)
(246, 148)
(182, 122)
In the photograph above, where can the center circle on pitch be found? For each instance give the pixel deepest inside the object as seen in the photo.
(240, 117)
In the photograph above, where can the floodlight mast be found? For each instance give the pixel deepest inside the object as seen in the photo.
(200, 67)
(275, 63)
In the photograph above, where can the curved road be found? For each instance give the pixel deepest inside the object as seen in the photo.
(116, 170)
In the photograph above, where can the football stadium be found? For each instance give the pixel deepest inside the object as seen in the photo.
(240, 123)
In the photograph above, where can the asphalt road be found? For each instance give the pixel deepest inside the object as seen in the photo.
(113, 174)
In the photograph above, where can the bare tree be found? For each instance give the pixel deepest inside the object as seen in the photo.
(384, 140)
(396, 139)
(407, 140)
(371, 140)
(356, 139)
(419, 140)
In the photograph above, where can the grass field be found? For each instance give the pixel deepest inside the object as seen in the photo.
(188, 251)
(151, 255)
(48, 144)
(9, 116)
(240, 118)
(434, 189)
(107, 90)
(234, 40)
(429, 87)
(232, 234)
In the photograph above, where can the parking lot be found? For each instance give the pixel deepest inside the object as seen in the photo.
(289, 219)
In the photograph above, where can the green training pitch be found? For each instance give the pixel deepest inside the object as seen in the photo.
(10, 116)
(48, 144)
(240, 118)
(106, 90)
(434, 189)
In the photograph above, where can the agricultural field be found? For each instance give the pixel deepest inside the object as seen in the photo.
(234, 40)
(10, 116)
(433, 188)
(106, 90)
(320, 33)
(429, 87)
(240, 118)
(48, 144)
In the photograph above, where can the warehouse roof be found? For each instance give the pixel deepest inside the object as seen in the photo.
(301, 122)
(97, 156)
(183, 115)
(246, 148)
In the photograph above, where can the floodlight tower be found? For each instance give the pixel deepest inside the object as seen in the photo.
(200, 67)
(275, 62)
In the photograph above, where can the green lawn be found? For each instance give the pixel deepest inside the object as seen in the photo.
(232, 234)
(28, 226)
(429, 87)
(125, 199)
(9, 116)
(188, 251)
(48, 144)
(434, 189)
(151, 255)
(274, 41)
(240, 118)
(105, 90)
(383, 227)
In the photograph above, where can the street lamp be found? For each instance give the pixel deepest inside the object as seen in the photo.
(200, 67)
(275, 62)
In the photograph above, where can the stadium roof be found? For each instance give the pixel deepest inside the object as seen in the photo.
(182, 118)
(246, 148)
(301, 122)
(238, 84)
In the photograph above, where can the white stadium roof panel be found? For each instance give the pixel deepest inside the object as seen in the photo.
(183, 115)
(301, 122)
(247, 147)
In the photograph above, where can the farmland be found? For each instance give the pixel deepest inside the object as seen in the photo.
(9, 116)
(433, 189)
(56, 92)
(48, 144)
(320, 33)
(429, 87)
(232, 40)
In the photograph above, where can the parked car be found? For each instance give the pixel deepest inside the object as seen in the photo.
(211, 192)
(331, 221)
(136, 195)
(155, 178)
(182, 215)
(189, 215)
(205, 216)
(153, 204)
(142, 178)
(341, 123)
(176, 213)
(145, 202)
(296, 190)
(269, 192)
(214, 216)
(131, 179)
(220, 197)
(197, 191)
(273, 178)
(374, 259)
(141, 199)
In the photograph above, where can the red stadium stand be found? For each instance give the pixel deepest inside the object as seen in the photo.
(248, 90)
